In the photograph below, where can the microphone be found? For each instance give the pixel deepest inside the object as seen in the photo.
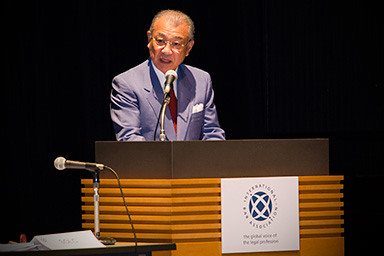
(61, 163)
(170, 77)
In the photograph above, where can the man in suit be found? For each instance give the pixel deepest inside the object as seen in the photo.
(138, 93)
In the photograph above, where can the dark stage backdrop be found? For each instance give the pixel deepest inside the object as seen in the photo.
(280, 69)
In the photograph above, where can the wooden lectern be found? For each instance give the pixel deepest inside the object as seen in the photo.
(172, 202)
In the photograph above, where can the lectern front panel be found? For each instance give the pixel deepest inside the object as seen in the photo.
(215, 159)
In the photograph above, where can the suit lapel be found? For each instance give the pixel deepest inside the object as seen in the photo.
(153, 87)
(185, 96)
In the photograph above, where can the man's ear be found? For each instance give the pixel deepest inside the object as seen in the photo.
(190, 45)
(149, 36)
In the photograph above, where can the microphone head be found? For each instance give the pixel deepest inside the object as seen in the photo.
(60, 163)
(171, 72)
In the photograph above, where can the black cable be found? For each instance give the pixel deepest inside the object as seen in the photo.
(157, 124)
(125, 204)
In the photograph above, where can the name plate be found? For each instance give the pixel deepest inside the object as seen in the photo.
(70, 240)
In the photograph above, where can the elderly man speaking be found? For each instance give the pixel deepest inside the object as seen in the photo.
(138, 93)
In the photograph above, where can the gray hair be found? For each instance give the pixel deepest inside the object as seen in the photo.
(176, 17)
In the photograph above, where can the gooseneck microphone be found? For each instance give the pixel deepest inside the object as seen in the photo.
(61, 163)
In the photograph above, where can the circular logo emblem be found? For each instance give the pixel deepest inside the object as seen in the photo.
(260, 206)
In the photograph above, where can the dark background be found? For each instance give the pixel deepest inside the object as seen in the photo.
(280, 69)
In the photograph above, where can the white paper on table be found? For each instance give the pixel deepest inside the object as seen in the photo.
(70, 240)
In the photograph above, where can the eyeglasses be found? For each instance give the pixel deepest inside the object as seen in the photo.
(174, 45)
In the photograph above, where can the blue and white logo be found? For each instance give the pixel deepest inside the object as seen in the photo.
(260, 206)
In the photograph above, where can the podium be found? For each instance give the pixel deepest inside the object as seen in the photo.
(173, 191)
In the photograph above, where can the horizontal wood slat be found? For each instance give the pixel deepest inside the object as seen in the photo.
(132, 209)
(189, 210)
(213, 218)
(321, 214)
(305, 188)
(318, 179)
(131, 183)
(194, 191)
(321, 205)
(320, 231)
(131, 191)
(323, 196)
(159, 227)
(131, 200)
(122, 218)
(321, 222)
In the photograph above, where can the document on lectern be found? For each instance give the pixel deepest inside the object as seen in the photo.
(260, 214)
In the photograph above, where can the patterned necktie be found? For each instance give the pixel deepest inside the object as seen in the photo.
(173, 109)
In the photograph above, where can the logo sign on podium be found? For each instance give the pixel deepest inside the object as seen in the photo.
(260, 214)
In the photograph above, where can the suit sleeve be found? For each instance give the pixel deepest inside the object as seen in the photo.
(125, 113)
(211, 126)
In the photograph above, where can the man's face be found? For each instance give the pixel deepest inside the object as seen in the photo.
(166, 57)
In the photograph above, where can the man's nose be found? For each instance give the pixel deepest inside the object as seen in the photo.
(167, 48)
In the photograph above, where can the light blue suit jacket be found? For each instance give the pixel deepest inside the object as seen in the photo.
(136, 100)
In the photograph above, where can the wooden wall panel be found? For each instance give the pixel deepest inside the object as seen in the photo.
(188, 212)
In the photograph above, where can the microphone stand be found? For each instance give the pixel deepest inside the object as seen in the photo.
(95, 169)
(167, 98)
(96, 186)
(96, 213)
(170, 76)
